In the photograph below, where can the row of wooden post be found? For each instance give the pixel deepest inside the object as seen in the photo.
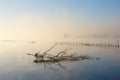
(111, 45)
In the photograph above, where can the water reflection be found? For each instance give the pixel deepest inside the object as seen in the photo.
(16, 65)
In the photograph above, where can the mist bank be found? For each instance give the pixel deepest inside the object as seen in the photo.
(40, 26)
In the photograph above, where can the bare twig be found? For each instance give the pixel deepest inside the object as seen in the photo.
(44, 53)
(63, 52)
(60, 56)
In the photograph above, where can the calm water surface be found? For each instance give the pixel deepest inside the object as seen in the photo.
(15, 64)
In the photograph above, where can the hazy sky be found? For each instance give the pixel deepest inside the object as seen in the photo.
(45, 19)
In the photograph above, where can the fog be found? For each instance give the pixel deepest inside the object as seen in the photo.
(43, 26)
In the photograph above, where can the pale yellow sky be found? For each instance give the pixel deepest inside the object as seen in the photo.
(48, 19)
(33, 26)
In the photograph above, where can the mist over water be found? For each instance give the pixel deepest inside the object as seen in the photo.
(90, 28)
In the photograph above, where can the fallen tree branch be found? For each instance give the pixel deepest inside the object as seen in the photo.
(44, 53)
(60, 56)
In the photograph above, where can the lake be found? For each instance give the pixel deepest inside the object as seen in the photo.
(15, 64)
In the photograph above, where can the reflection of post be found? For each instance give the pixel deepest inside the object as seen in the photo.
(118, 44)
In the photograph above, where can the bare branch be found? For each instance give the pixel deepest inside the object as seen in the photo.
(63, 52)
(60, 56)
(44, 53)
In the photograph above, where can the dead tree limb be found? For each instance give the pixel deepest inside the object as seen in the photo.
(44, 53)
(63, 52)
(42, 56)
(60, 56)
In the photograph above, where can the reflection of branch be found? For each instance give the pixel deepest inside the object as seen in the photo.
(51, 67)
(45, 66)
(55, 70)
(63, 67)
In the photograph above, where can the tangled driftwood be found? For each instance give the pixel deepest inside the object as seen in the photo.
(60, 56)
